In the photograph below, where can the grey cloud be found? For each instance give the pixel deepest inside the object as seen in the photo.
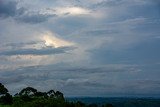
(103, 70)
(10, 9)
(108, 3)
(21, 44)
(96, 32)
(147, 83)
(11, 79)
(64, 67)
(141, 87)
(100, 32)
(43, 51)
(80, 81)
(128, 25)
(34, 18)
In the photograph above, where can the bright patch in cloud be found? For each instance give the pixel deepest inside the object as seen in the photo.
(51, 40)
(69, 11)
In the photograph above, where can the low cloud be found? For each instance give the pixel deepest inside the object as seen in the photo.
(11, 79)
(43, 51)
(81, 81)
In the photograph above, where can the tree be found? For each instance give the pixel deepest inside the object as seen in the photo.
(5, 98)
(29, 91)
(51, 93)
(79, 104)
(108, 105)
(3, 90)
(41, 94)
(59, 95)
(27, 94)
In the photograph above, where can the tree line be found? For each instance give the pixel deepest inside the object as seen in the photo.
(31, 97)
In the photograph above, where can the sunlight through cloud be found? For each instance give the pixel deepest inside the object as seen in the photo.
(53, 41)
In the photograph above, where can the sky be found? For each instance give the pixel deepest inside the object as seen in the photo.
(104, 48)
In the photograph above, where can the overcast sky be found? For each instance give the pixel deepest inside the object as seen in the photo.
(81, 47)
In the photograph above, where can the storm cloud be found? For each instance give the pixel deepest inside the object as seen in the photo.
(94, 48)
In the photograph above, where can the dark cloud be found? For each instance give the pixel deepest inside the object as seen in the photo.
(97, 32)
(43, 51)
(113, 55)
(34, 18)
(9, 9)
(101, 70)
(142, 87)
(11, 79)
(79, 81)
(108, 3)
(100, 32)
(21, 44)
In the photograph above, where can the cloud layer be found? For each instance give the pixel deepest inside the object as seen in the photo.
(94, 48)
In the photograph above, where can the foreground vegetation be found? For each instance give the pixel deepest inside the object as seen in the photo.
(30, 97)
